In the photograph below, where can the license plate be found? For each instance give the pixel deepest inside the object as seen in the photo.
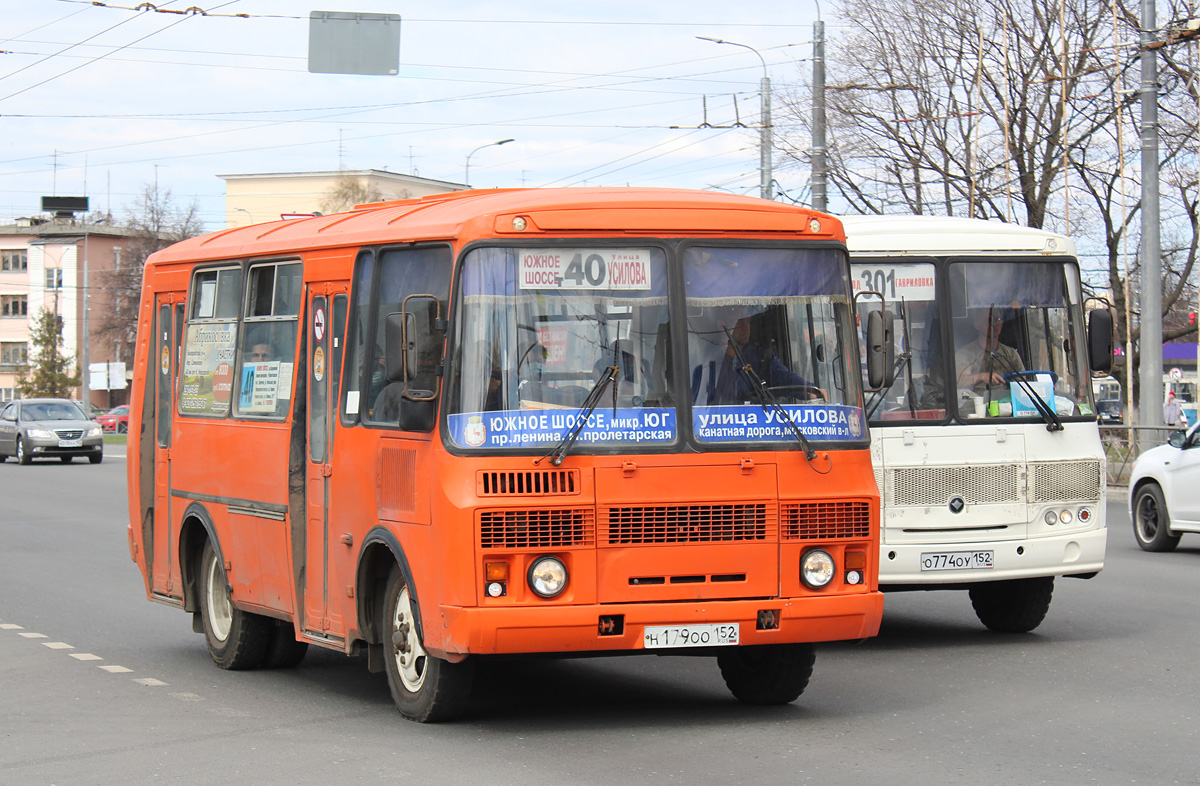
(706, 635)
(70, 443)
(957, 560)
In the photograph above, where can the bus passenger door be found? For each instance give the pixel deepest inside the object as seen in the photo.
(326, 340)
(166, 356)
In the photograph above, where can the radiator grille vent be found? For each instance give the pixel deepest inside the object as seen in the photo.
(716, 523)
(544, 483)
(1066, 481)
(545, 528)
(398, 488)
(825, 520)
(936, 486)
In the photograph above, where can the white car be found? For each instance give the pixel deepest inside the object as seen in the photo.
(1164, 500)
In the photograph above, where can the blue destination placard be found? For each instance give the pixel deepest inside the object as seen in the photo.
(741, 423)
(546, 427)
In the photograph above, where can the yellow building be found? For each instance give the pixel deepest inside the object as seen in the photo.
(253, 199)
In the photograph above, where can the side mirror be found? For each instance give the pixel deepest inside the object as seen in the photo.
(881, 352)
(414, 338)
(1100, 338)
(1177, 439)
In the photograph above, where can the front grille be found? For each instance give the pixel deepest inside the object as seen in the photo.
(536, 529)
(936, 486)
(1066, 481)
(824, 520)
(662, 524)
(543, 482)
(72, 433)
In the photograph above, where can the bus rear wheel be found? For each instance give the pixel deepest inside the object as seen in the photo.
(283, 650)
(426, 689)
(236, 639)
(1014, 606)
(769, 674)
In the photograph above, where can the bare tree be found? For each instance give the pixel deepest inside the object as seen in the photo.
(156, 222)
(347, 192)
(1015, 111)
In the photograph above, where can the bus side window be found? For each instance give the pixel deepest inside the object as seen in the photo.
(268, 345)
(402, 272)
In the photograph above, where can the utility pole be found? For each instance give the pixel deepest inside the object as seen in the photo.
(819, 172)
(1150, 402)
(766, 186)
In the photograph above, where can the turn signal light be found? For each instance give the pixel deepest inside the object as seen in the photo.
(855, 560)
(496, 571)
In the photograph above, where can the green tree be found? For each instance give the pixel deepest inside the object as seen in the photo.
(49, 372)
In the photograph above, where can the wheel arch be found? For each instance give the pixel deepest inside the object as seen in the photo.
(195, 530)
(1148, 480)
(380, 551)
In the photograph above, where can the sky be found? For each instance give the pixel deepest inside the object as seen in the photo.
(101, 100)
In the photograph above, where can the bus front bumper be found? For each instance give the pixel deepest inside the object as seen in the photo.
(1078, 553)
(621, 627)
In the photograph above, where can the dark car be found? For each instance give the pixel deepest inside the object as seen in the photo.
(48, 428)
(1110, 411)
(115, 420)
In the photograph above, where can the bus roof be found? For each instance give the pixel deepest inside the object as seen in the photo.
(562, 212)
(938, 236)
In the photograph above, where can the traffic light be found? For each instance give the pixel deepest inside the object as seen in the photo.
(1192, 318)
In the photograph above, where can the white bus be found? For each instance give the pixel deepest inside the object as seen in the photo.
(986, 446)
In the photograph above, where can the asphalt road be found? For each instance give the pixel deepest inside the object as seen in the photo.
(100, 686)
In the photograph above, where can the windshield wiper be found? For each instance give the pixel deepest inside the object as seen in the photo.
(767, 400)
(1053, 423)
(559, 451)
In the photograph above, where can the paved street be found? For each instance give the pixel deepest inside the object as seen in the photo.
(102, 687)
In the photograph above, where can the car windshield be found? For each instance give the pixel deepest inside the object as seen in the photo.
(1014, 349)
(539, 330)
(53, 410)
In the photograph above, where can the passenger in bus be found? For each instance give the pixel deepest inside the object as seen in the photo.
(729, 383)
(260, 352)
(984, 361)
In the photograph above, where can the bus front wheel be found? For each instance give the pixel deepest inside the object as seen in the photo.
(1013, 606)
(236, 639)
(769, 674)
(426, 689)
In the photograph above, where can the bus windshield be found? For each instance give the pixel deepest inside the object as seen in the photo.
(1014, 348)
(538, 328)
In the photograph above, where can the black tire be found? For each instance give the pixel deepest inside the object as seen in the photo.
(65, 459)
(1152, 520)
(283, 651)
(23, 456)
(768, 674)
(96, 458)
(1013, 606)
(426, 689)
(236, 639)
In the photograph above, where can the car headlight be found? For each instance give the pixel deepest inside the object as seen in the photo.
(547, 577)
(40, 433)
(94, 431)
(816, 568)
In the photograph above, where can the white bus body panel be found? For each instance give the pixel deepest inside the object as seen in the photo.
(1007, 476)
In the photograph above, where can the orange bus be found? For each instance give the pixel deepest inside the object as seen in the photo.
(564, 421)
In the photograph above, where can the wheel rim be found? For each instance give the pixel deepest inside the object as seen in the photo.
(219, 609)
(407, 651)
(1147, 518)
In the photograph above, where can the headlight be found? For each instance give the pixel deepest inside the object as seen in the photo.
(40, 433)
(94, 431)
(1051, 517)
(816, 568)
(547, 576)
(1066, 517)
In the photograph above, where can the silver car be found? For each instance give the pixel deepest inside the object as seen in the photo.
(49, 428)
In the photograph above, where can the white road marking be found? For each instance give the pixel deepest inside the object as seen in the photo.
(149, 682)
(85, 656)
(187, 696)
(34, 635)
(10, 626)
(116, 669)
(57, 645)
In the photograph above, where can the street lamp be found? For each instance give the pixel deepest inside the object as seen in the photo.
(766, 187)
(467, 169)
